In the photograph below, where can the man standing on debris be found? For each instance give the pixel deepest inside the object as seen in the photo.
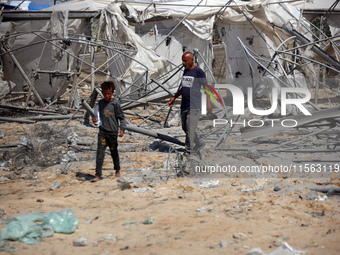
(192, 80)
(111, 115)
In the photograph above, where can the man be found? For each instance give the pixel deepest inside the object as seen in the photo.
(192, 80)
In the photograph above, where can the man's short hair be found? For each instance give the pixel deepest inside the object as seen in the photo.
(108, 85)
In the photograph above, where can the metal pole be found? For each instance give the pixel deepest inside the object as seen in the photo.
(92, 58)
(178, 25)
(75, 80)
(55, 117)
(4, 44)
(37, 67)
(280, 81)
(20, 120)
(136, 129)
(153, 114)
(315, 48)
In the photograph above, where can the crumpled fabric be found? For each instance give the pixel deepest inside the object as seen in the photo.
(32, 227)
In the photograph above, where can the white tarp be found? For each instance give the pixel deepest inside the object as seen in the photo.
(199, 16)
(160, 32)
(34, 53)
(116, 26)
(262, 37)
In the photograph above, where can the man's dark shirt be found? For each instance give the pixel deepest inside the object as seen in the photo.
(191, 85)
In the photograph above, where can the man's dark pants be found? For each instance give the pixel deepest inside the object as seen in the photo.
(190, 120)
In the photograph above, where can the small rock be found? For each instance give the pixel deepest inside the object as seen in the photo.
(124, 185)
(204, 209)
(2, 213)
(148, 221)
(239, 235)
(223, 243)
(209, 184)
(253, 153)
(56, 185)
(277, 188)
(81, 242)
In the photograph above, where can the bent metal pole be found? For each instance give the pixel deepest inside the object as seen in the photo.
(136, 129)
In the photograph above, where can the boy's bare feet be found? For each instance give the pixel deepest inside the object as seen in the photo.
(117, 173)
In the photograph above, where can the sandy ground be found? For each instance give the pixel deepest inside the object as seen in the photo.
(232, 216)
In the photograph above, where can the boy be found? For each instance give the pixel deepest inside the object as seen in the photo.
(110, 114)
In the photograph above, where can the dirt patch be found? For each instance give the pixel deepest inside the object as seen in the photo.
(197, 214)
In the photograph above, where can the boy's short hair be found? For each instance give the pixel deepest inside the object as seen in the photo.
(108, 85)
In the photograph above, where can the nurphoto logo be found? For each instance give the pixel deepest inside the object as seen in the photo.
(239, 106)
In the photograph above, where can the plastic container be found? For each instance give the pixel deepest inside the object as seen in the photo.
(97, 113)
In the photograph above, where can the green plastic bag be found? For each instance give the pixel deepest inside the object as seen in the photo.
(22, 230)
(34, 217)
(64, 221)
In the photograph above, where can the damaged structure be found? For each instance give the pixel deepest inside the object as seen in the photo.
(269, 171)
(258, 47)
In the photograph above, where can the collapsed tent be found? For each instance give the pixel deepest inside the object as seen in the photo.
(267, 44)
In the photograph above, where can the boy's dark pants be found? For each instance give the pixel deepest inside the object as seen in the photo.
(104, 140)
